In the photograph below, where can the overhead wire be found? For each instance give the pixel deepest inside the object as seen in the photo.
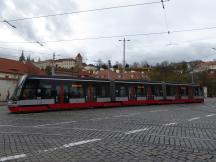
(85, 11)
(114, 36)
(166, 21)
(193, 29)
(5, 48)
(204, 57)
(91, 38)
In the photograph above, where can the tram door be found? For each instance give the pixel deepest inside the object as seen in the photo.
(66, 93)
(91, 93)
(178, 95)
(190, 92)
(132, 93)
(150, 95)
(59, 96)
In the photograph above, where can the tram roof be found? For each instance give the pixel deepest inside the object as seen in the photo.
(59, 77)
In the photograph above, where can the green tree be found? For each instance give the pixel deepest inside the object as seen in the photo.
(48, 70)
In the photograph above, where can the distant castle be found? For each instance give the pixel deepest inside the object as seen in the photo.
(66, 63)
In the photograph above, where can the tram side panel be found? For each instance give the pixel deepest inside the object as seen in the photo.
(45, 94)
(103, 92)
(198, 94)
(121, 92)
(171, 92)
(141, 92)
(112, 91)
(157, 91)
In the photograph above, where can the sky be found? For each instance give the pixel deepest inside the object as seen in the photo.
(152, 18)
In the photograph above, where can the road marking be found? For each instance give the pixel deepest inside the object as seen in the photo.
(118, 116)
(183, 137)
(54, 124)
(12, 157)
(168, 124)
(79, 143)
(115, 116)
(34, 119)
(125, 115)
(136, 131)
(91, 129)
(69, 145)
(99, 118)
(49, 150)
(210, 115)
(181, 109)
(10, 126)
(158, 110)
(196, 118)
(63, 128)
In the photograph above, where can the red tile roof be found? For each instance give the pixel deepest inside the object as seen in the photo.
(17, 67)
(72, 72)
(132, 75)
(208, 63)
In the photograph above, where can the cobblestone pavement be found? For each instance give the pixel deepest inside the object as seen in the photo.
(181, 132)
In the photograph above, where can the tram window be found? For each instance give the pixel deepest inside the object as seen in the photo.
(141, 91)
(157, 90)
(170, 90)
(103, 91)
(66, 90)
(76, 91)
(197, 91)
(57, 92)
(121, 91)
(16, 94)
(29, 94)
(200, 91)
(30, 90)
(45, 90)
(184, 91)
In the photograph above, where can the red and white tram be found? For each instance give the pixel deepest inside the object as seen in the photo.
(43, 93)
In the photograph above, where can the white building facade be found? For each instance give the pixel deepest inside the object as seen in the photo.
(10, 72)
(66, 63)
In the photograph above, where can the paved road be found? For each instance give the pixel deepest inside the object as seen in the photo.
(184, 132)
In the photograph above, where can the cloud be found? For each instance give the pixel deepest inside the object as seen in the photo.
(182, 14)
(31, 30)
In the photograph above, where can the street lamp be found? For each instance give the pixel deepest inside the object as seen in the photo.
(53, 63)
(124, 40)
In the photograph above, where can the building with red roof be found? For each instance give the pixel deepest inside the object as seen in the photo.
(116, 75)
(10, 72)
